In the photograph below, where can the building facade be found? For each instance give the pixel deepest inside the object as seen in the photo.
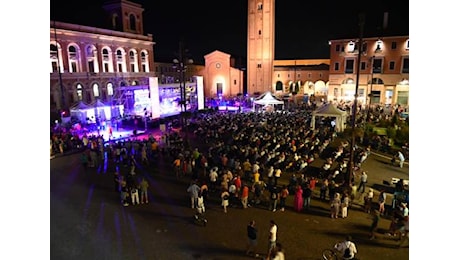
(90, 64)
(303, 77)
(383, 70)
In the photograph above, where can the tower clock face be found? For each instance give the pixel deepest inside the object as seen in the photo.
(218, 65)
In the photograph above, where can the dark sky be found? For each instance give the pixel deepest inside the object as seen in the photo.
(302, 30)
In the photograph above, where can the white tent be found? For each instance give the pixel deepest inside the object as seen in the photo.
(267, 99)
(79, 111)
(330, 110)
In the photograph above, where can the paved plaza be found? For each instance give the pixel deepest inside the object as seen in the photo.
(88, 221)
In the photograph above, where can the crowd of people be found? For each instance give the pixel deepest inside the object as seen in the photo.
(239, 163)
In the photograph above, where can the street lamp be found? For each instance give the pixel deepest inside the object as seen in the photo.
(370, 92)
(181, 65)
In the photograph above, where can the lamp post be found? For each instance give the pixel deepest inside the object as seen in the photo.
(355, 103)
(61, 86)
(370, 92)
(181, 65)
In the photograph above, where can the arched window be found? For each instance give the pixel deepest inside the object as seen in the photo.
(80, 92)
(145, 61)
(133, 64)
(91, 59)
(74, 58)
(107, 64)
(110, 89)
(121, 63)
(55, 56)
(132, 22)
(96, 90)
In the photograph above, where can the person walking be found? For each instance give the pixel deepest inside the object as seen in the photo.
(347, 248)
(362, 182)
(272, 237)
(274, 198)
(225, 196)
(375, 223)
(251, 231)
(193, 191)
(382, 200)
(245, 196)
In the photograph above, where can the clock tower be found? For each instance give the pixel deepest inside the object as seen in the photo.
(261, 45)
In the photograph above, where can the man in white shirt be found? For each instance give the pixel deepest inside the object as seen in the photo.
(272, 236)
(347, 248)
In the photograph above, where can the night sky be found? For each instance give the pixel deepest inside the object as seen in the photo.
(303, 27)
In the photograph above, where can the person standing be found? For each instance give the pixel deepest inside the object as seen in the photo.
(277, 175)
(401, 159)
(298, 199)
(252, 238)
(274, 198)
(193, 191)
(245, 196)
(143, 186)
(225, 196)
(335, 205)
(272, 237)
(362, 182)
(306, 194)
(368, 200)
(345, 204)
(277, 253)
(283, 196)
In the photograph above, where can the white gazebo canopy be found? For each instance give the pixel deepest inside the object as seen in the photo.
(330, 110)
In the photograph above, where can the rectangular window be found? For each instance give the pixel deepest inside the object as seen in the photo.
(219, 88)
(405, 65)
(391, 66)
(73, 66)
(54, 66)
(407, 45)
(234, 82)
(377, 66)
(106, 67)
(278, 75)
(360, 92)
(337, 48)
(91, 66)
(403, 97)
(289, 75)
(309, 75)
(363, 65)
(393, 45)
(298, 75)
(364, 47)
(349, 66)
(336, 67)
(132, 68)
(144, 69)
(259, 66)
(375, 97)
(120, 67)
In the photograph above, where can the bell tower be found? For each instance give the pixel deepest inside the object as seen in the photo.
(125, 16)
(261, 45)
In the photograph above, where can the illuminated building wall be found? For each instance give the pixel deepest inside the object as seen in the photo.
(260, 45)
(384, 70)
